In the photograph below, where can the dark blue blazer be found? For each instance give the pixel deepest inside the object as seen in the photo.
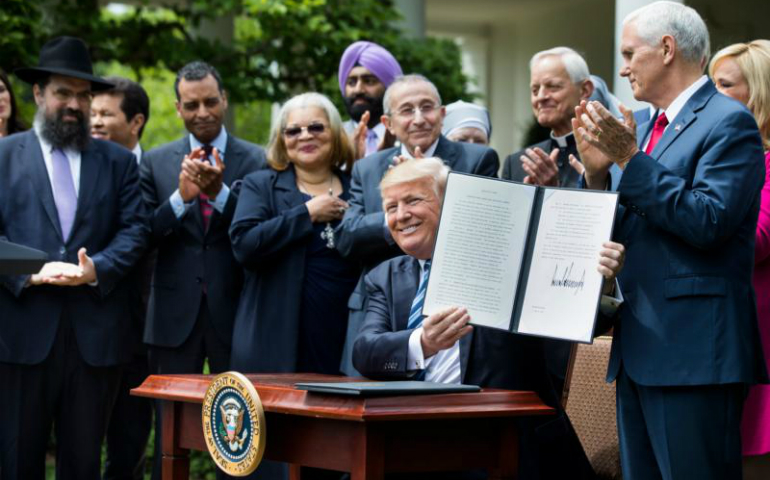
(270, 233)
(488, 358)
(687, 218)
(363, 235)
(188, 256)
(111, 223)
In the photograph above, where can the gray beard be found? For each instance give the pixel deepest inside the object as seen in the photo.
(61, 134)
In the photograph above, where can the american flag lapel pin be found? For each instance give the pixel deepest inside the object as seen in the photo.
(678, 127)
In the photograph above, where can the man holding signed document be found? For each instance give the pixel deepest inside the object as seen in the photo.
(396, 342)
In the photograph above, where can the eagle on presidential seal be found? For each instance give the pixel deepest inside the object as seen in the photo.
(232, 429)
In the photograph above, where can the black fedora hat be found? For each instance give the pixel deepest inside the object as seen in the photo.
(64, 56)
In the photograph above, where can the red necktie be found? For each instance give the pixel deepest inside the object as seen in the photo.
(657, 131)
(206, 208)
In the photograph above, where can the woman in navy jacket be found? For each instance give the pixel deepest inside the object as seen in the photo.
(292, 314)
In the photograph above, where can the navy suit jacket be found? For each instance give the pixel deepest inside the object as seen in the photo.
(270, 234)
(110, 222)
(687, 218)
(488, 358)
(363, 235)
(188, 256)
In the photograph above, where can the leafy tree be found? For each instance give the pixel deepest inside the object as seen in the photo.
(279, 47)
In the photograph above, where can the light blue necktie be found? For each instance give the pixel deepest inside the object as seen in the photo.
(64, 194)
(415, 314)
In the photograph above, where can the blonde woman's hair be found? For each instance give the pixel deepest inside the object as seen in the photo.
(342, 150)
(753, 59)
(415, 169)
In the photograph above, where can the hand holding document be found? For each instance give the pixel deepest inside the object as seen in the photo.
(521, 258)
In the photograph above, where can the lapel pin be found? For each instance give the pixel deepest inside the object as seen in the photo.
(678, 127)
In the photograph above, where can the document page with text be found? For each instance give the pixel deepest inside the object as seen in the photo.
(479, 248)
(563, 287)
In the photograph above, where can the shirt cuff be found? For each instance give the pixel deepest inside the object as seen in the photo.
(415, 360)
(178, 205)
(221, 200)
(609, 304)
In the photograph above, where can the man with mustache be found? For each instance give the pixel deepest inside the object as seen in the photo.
(63, 330)
(414, 115)
(366, 70)
(191, 187)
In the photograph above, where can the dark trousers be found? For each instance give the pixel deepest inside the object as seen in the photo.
(63, 392)
(189, 357)
(130, 425)
(679, 433)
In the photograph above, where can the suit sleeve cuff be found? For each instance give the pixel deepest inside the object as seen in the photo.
(610, 304)
(178, 205)
(221, 200)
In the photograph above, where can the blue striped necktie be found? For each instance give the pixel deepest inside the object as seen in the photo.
(415, 314)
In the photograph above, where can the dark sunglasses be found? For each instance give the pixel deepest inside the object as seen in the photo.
(313, 129)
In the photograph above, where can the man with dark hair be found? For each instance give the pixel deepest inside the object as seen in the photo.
(120, 114)
(63, 330)
(196, 280)
(366, 70)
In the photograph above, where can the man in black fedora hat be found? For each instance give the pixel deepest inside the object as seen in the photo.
(63, 329)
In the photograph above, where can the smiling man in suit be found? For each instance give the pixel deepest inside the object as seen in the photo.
(687, 343)
(395, 342)
(414, 115)
(63, 330)
(190, 186)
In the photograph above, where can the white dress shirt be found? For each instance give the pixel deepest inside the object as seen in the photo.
(676, 106)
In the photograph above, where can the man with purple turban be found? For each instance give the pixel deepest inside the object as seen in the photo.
(366, 70)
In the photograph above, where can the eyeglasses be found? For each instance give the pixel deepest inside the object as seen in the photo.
(312, 129)
(63, 95)
(410, 111)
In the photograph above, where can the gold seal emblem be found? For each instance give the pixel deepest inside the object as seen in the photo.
(234, 424)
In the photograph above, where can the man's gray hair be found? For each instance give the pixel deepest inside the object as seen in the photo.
(415, 169)
(402, 79)
(657, 19)
(574, 63)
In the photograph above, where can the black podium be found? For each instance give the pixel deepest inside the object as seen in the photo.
(19, 260)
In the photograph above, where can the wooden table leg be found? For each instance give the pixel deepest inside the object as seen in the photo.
(368, 454)
(176, 461)
(295, 471)
(508, 460)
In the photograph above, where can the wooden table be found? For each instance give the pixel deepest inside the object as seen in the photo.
(364, 436)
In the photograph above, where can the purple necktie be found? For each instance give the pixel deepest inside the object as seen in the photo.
(64, 191)
(371, 142)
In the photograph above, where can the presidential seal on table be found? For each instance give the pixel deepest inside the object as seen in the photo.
(234, 424)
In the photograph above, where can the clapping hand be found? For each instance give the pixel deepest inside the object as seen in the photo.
(66, 274)
(208, 178)
(540, 167)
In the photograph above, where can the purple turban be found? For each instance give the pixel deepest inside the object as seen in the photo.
(371, 56)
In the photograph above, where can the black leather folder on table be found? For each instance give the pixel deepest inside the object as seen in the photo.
(19, 260)
(372, 389)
